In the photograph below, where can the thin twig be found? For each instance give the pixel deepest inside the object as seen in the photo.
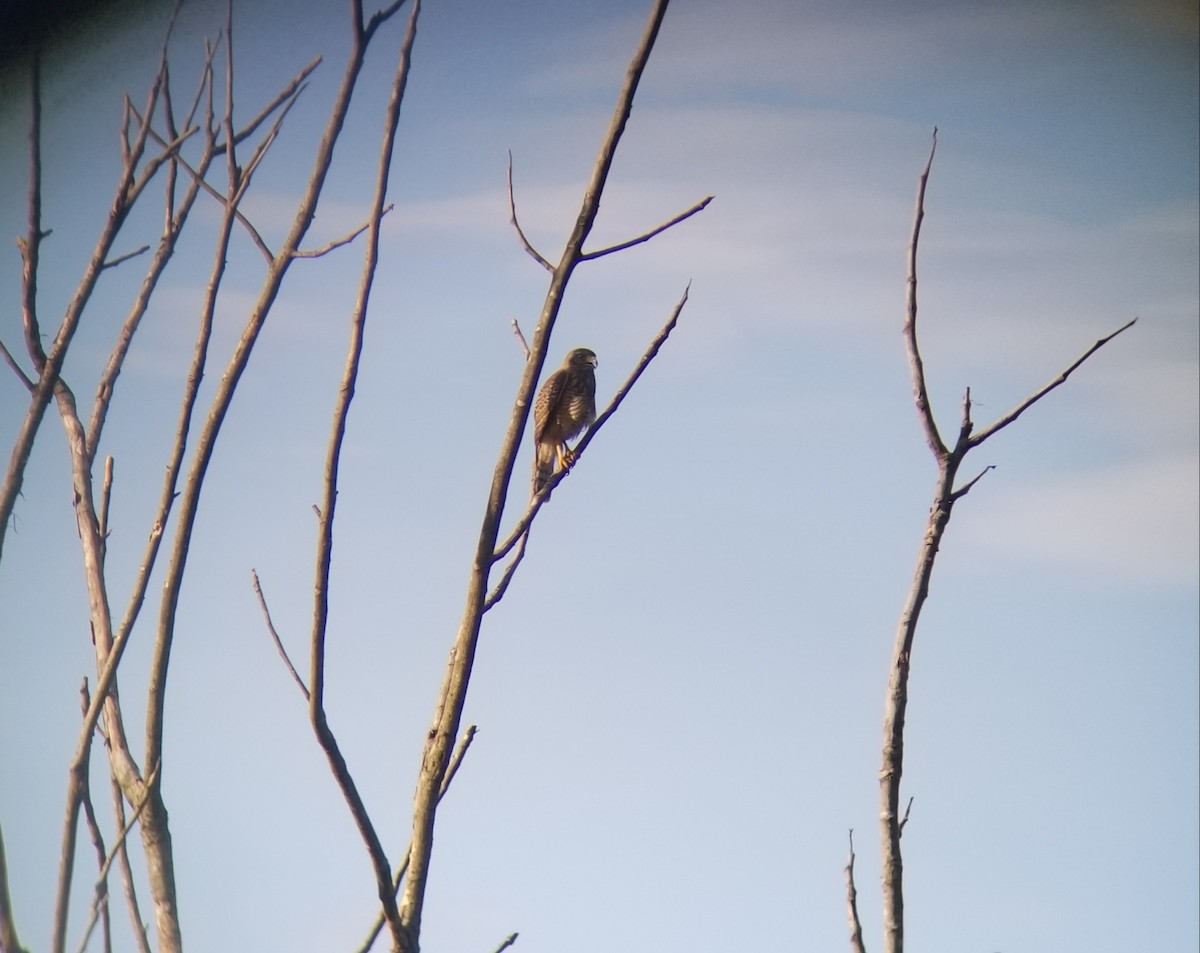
(520, 338)
(379, 17)
(856, 934)
(121, 259)
(916, 365)
(682, 216)
(240, 216)
(11, 362)
(509, 941)
(1061, 379)
(100, 900)
(105, 498)
(30, 245)
(338, 243)
(291, 89)
(512, 213)
(502, 586)
(966, 487)
(262, 602)
(904, 819)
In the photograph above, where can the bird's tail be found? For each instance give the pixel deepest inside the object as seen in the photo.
(545, 459)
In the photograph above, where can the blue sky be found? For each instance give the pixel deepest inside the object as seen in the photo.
(680, 700)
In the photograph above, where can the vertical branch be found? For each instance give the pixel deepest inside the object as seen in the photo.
(856, 934)
(379, 861)
(945, 496)
(897, 695)
(897, 705)
(31, 244)
(916, 365)
(8, 924)
(92, 542)
(131, 900)
(452, 698)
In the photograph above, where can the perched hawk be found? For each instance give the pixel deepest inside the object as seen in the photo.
(565, 405)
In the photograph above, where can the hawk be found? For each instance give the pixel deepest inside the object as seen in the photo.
(565, 405)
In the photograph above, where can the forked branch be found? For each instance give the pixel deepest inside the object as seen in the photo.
(512, 217)
(949, 460)
(451, 770)
(402, 940)
(451, 699)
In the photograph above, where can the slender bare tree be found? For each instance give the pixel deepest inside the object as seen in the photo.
(947, 492)
(446, 743)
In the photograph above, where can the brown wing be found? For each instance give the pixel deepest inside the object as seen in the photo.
(545, 408)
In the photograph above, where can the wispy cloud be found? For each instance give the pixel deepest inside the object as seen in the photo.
(1136, 524)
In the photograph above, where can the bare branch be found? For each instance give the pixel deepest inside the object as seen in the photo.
(262, 602)
(131, 900)
(30, 245)
(169, 151)
(122, 763)
(11, 362)
(162, 257)
(379, 17)
(966, 487)
(502, 586)
(291, 90)
(650, 354)
(8, 923)
(520, 338)
(345, 240)
(126, 146)
(682, 216)
(512, 213)
(915, 364)
(100, 899)
(241, 218)
(105, 498)
(509, 941)
(904, 819)
(1061, 379)
(856, 934)
(168, 108)
(403, 940)
(966, 424)
(451, 770)
(120, 259)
